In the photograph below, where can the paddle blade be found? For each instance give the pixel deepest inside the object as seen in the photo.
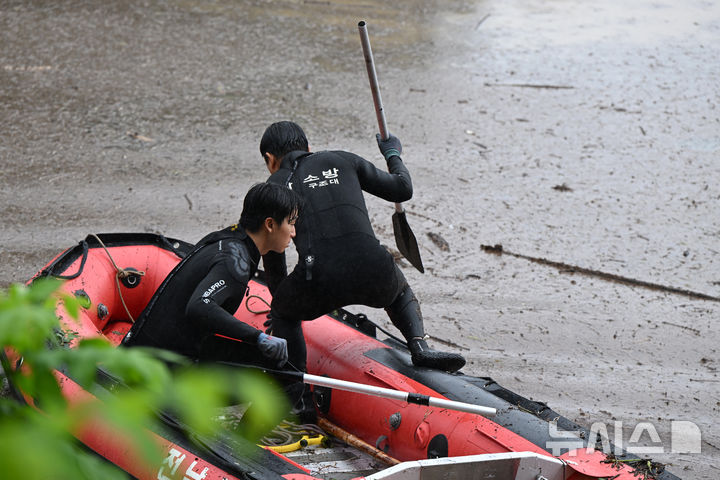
(405, 240)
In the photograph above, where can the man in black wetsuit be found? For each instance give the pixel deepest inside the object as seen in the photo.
(191, 313)
(340, 261)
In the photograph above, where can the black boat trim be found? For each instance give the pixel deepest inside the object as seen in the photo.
(64, 260)
(219, 451)
(527, 418)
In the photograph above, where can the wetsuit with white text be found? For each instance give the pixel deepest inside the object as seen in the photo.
(341, 262)
(191, 313)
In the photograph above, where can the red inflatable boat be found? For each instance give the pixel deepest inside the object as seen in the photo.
(524, 440)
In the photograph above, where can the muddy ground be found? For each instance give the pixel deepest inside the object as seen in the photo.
(582, 133)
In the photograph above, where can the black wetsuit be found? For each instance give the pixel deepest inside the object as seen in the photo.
(341, 262)
(191, 313)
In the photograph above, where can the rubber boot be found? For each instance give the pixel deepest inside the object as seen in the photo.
(303, 402)
(424, 356)
(405, 314)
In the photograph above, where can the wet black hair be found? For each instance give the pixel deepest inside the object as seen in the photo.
(281, 138)
(268, 200)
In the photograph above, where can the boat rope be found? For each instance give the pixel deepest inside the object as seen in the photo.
(120, 273)
(256, 312)
(289, 433)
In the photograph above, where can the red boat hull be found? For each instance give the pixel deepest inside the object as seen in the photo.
(335, 349)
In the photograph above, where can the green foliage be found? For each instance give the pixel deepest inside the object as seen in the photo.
(36, 444)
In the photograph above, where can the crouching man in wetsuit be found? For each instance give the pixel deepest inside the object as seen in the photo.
(191, 313)
(340, 261)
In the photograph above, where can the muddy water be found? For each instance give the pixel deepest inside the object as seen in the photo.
(577, 132)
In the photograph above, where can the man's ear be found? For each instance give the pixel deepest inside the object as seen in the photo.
(272, 162)
(269, 224)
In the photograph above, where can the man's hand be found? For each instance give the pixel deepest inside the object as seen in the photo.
(268, 324)
(390, 147)
(273, 348)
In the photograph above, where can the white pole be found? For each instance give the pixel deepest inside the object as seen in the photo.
(397, 395)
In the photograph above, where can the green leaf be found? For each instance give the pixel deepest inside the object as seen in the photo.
(28, 324)
(99, 343)
(42, 289)
(72, 304)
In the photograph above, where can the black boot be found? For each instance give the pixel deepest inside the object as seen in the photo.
(303, 402)
(406, 316)
(424, 356)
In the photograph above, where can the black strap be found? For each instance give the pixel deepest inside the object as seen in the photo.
(48, 272)
(418, 399)
(296, 156)
(292, 172)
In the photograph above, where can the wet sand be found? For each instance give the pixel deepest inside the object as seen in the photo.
(583, 134)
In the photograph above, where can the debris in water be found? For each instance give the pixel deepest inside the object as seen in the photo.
(482, 20)
(497, 248)
(565, 268)
(690, 329)
(439, 241)
(530, 85)
(562, 188)
(644, 468)
(137, 136)
(448, 343)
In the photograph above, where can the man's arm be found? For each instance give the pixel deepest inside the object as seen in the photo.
(275, 267)
(393, 186)
(223, 288)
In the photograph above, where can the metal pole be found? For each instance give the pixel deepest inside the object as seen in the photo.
(372, 76)
(397, 395)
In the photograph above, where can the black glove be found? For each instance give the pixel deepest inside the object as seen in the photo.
(268, 324)
(390, 147)
(273, 348)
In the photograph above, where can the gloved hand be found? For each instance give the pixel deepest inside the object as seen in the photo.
(273, 348)
(389, 147)
(268, 324)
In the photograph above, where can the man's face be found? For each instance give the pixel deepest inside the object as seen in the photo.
(283, 233)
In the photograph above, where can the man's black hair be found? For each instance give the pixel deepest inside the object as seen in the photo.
(271, 200)
(282, 138)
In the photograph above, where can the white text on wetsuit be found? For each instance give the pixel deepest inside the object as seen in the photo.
(219, 285)
(330, 177)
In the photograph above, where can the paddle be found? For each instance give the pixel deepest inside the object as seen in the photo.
(404, 237)
(409, 397)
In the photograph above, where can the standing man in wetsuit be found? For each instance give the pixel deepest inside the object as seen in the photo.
(191, 313)
(340, 261)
